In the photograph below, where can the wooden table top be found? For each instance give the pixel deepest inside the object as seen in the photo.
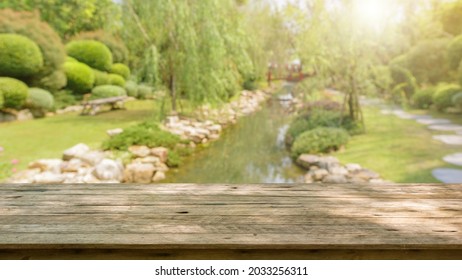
(231, 216)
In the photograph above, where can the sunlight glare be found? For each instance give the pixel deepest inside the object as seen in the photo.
(373, 13)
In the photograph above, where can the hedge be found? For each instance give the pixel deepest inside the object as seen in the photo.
(93, 53)
(80, 77)
(121, 69)
(444, 94)
(320, 140)
(107, 91)
(20, 57)
(116, 80)
(14, 93)
(116, 45)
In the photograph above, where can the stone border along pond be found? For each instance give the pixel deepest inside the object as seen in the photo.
(445, 175)
(81, 165)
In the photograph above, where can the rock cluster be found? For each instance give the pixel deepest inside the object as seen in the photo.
(329, 170)
(193, 130)
(81, 165)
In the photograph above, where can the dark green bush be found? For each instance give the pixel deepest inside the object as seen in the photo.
(250, 84)
(116, 80)
(455, 53)
(131, 88)
(20, 57)
(64, 98)
(29, 25)
(107, 91)
(93, 53)
(53, 82)
(457, 101)
(14, 93)
(101, 78)
(80, 77)
(320, 140)
(147, 133)
(116, 45)
(39, 102)
(173, 159)
(444, 94)
(121, 69)
(423, 98)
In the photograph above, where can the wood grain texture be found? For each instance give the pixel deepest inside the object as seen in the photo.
(231, 221)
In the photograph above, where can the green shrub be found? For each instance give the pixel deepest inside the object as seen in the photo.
(455, 53)
(320, 140)
(92, 53)
(444, 94)
(107, 91)
(53, 82)
(116, 45)
(80, 77)
(2, 99)
(403, 80)
(173, 159)
(14, 93)
(457, 100)
(144, 92)
(131, 88)
(116, 80)
(423, 98)
(121, 69)
(64, 98)
(101, 78)
(71, 59)
(39, 102)
(250, 84)
(147, 133)
(29, 25)
(20, 57)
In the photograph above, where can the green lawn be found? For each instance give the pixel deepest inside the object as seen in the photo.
(49, 137)
(400, 150)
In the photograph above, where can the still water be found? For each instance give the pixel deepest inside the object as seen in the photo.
(252, 151)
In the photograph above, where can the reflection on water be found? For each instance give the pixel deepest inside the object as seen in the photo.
(253, 151)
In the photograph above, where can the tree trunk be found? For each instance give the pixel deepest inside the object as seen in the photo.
(173, 92)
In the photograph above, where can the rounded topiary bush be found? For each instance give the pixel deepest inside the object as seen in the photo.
(39, 102)
(121, 69)
(80, 77)
(144, 92)
(131, 88)
(107, 91)
(14, 93)
(444, 94)
(19, 56)
(31, 26)
(53, 82)
(423, 98)
(116, 80)
(101, 78)
(116, 45)
(320, 140)
(93, 53)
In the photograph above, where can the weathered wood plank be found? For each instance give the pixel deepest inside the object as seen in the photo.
(155, 219)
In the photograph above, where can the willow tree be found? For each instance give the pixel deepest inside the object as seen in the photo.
(196, 49)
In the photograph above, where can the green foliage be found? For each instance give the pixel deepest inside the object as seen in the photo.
(64, 98)
(444, 94)
(70, 17)
(131, 88)
(450, 17)
(29, 25)
(80, 77)
(121, 69)
(320, 140)
(147, 133)
(14, 93)
(116, 45)
(2, 99)
(101, 78)
(428, 62)
(144, 92)
(403, 80)
(173, 159)
(455, 53)
(107, 91)
(116, 80)
(40, 99)
(93, 53)
(20, 57)
(54, 81)
(457, 100)
(250, 84)
(423, 98)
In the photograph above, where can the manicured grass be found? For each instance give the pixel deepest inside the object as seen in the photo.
(402, 151)
(48, 138)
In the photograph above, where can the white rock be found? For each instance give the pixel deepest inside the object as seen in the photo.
(353, 167)
(161, 153)
(150, 159)
(139, 173)
(73, 165)
(159, 176)
(139, 151)
(109, 170)
(114, 132)
(76, 150)
(319, 174)
(334, 179)
(338, 170)
(91, 157)
(48, 165)
(48, 178)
